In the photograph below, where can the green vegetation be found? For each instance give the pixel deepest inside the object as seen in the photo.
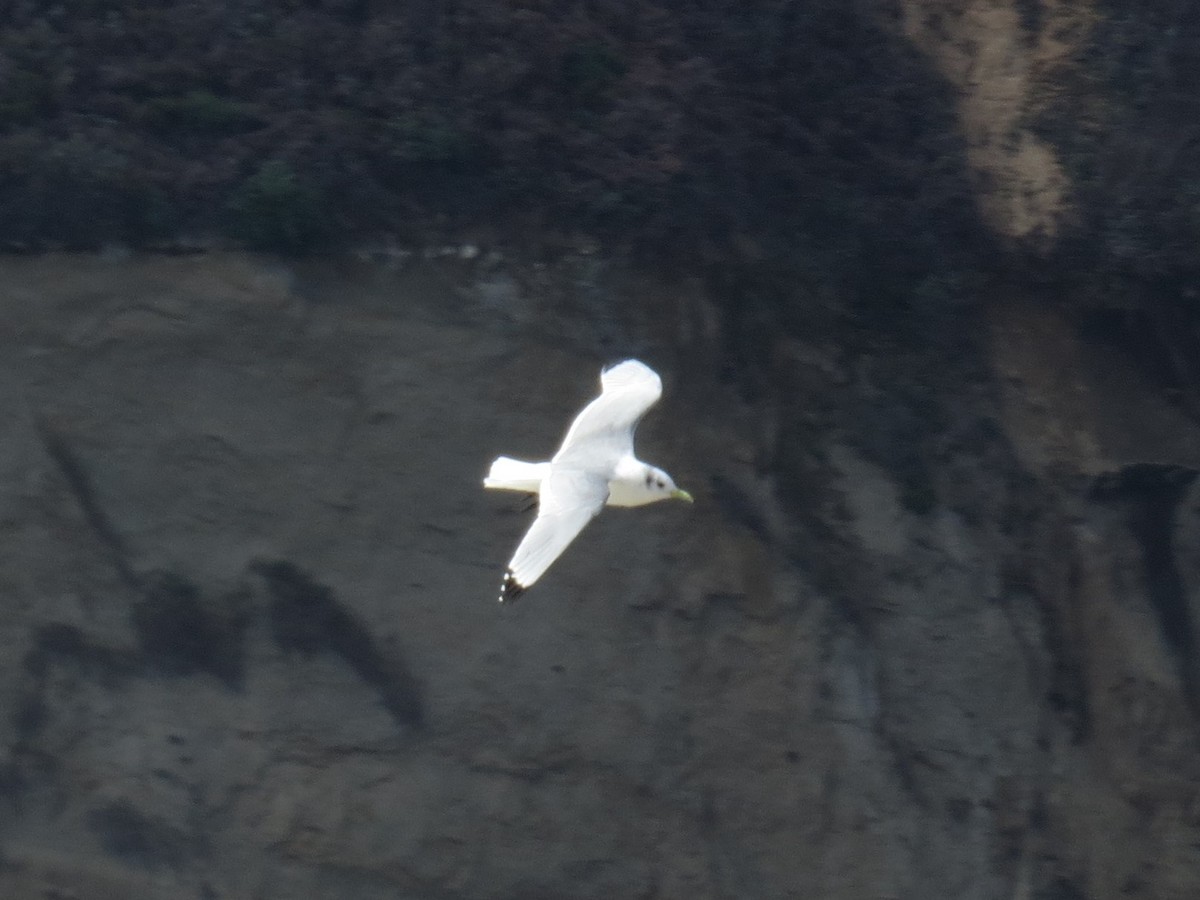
(76, 193)
(197, 112)
(428, 139)
(590, 73)
(671, 127)
(25, 96)
(1128, 125)
(274, 210)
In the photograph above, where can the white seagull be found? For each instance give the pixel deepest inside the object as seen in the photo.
(594, 466)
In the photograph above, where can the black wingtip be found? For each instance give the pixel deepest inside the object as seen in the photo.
(510, 590)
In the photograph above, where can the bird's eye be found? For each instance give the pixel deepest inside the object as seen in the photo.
(660, 484)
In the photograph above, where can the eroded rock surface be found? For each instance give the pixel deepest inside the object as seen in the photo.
(914, 639)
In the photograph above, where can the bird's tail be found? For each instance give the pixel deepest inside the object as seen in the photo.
(509, 474)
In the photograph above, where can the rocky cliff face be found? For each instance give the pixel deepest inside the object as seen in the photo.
(930, 629)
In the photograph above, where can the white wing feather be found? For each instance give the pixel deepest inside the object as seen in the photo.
(603, 431)
(569, 500)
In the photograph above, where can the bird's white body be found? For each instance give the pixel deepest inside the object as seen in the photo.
(594, 467)
(626, 487)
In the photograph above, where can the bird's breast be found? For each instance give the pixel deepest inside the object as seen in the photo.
(624, 493)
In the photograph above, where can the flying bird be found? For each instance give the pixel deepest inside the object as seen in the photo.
(594, 467)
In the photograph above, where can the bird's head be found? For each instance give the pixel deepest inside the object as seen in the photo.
(662, 487)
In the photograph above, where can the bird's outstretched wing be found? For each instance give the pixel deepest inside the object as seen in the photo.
(604, 429)
(569, 500)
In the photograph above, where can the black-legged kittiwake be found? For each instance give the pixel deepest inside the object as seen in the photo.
(594, 467)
